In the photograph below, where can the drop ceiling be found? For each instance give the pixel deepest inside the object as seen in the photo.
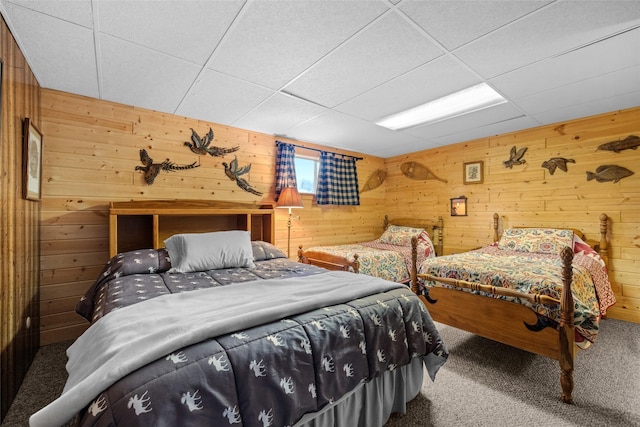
(324, 71)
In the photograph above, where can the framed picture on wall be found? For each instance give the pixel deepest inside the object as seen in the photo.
(31, 161)
(473, 172)
(459, 206)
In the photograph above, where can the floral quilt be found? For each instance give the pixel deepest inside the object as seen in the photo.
(385, 260)
(530, 272)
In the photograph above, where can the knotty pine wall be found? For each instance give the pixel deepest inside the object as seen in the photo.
(529, 195)
(91, 151)
(19, 244)
(92, 146)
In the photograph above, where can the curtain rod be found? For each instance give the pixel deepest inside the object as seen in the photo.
(320, 151)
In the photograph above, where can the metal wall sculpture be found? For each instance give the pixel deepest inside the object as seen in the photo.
(151, 170)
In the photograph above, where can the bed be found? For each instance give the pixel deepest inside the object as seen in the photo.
(393, 256)
(538, 289)
(217, 329)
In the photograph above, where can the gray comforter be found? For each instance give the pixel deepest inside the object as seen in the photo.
(259, 352)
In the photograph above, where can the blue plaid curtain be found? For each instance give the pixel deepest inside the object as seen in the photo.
(285, 167)
(337, 180)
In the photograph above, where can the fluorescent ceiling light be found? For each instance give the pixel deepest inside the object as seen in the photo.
(468, 100)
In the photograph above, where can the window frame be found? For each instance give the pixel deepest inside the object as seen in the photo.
(316, 163)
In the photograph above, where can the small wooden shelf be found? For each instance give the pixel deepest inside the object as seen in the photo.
(147, 224)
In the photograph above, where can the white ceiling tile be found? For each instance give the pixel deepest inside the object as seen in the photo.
(342, 131)
(277, 114)
(600, 58)
(475, 120)
(435, 79)
(136, 76)
(493, 129)
(383, 51)
(600, 106)
(401, 146)
(221, 99)
(276, 40)
(76, 11)
(557, 28)
(61, 54)
(189, 30)
(454, 23)
(225, 61)
(584, 91)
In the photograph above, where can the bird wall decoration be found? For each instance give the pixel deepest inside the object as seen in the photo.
(556, 162)
(234, 173)
(202, 146)
(151, 170)
(515, 157)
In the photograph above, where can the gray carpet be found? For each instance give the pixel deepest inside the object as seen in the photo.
(483, 383)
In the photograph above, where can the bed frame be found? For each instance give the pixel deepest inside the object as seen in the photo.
(334, 262)
(494, 318)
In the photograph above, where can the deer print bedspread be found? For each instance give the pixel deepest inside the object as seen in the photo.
(257, 353)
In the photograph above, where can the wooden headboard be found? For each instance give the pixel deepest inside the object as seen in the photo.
(601, 246)
(147, 223)
(435, 229)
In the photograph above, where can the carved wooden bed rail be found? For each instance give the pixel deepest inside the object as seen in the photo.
(335, 262)
(494, 318)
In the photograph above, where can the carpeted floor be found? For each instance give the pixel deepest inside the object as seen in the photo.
(483, 383)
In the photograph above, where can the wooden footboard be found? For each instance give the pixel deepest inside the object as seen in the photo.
(328, 261)
(508, 322)
(511, 323)
(334, 262)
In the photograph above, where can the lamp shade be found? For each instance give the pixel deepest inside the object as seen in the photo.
(289, 198)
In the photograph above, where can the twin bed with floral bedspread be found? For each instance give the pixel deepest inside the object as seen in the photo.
(391, 256)
(540, 289)
(218, 330)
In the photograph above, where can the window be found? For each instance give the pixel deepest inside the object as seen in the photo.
(306, 173)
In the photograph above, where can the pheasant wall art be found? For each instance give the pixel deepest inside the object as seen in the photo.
(234, 173)
(202, 146)
(151, 170)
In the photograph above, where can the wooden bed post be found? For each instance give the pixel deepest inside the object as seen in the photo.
(567, 332)
(603, 250)
(414, 268)
(496, 224)
(300, 253)
(440, 245)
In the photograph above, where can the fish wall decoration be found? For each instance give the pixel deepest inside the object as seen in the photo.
(515, 157)
(418, 171)
(556, 162)
(632, 142)
(375, 180)
(607, 173)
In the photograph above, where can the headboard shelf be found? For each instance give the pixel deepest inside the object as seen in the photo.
(147, 223)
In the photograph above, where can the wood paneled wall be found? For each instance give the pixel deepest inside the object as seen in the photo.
(19, 242)
(92, 149)
(529, 195)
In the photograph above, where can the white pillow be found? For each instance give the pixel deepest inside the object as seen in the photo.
(210, 251)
